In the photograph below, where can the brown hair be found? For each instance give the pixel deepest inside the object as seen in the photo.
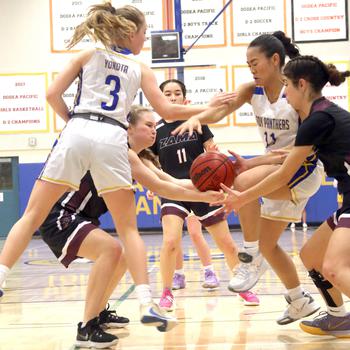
(313, 70)
(109, 25)
(133, 118)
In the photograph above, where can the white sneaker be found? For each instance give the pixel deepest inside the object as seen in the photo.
(298, 308)
(304, 226)
(292, 226)
(247, 274)
(152, 315)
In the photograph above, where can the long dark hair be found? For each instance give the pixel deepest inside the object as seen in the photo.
(178, 82)
(313, 70)
(276, 42)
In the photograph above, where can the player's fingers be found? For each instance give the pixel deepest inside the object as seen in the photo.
(179, 130)
(226, 189)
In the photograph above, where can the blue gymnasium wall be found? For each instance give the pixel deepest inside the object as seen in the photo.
(319, 207)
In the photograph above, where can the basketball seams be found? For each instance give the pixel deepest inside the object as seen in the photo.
(210, 169)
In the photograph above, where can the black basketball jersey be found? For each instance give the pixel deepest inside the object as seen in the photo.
(177, 152)
(328, 129)
(84, 202)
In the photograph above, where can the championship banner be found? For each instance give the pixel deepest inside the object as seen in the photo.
(205, 82)
(196, 15)
(243, 116)
(251, 18)
(23, 106)
(319, 20)
(66, 15)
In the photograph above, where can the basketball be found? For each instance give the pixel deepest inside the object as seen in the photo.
(210, 169)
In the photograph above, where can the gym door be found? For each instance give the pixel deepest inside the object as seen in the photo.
(9, 196)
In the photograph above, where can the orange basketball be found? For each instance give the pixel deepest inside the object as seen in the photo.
(210, 169)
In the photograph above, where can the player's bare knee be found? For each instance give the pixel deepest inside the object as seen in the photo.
(329, 271)
(170, 244)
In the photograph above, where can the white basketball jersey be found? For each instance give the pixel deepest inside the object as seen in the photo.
(108, 84)
(277, 122)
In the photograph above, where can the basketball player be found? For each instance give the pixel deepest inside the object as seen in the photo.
(95, 138)
(262, 225)
(325, 128)
(195, 232)
(176, 155)
(71, 230)
(194, 229)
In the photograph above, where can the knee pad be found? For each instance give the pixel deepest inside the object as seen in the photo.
(323, 285)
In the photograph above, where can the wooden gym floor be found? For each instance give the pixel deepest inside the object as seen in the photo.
(43, 302)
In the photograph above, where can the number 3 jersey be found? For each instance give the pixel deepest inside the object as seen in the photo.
(277, 122)
(177, 152)
(108, 84)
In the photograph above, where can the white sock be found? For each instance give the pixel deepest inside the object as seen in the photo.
(180, 272)
(337, 311)
(4, 270)
(143, 292)
(295, 293)
(251, 248)
(208, 267)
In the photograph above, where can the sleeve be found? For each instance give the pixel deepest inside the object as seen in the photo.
(207, 134)
(315, 129)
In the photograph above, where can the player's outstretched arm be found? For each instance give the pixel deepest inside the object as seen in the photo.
(147, 178)
(214, 114)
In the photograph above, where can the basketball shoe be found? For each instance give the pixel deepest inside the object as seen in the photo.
(210, 280)
(110, 319)
(249, 298)
(152, 315)
(248, 272)
(167, 300)
(326, 324)
(298, 308)
(178, 281)
(92, 336)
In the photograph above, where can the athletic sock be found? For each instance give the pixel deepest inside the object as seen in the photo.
(251, 248)
(4, 270)
(338, 311)
(295, 293)
(144, 295)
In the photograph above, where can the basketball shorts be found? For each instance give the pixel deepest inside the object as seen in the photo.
(205, 213)
(341, 218)
(291, 211)
(64, 234)
(90, 145)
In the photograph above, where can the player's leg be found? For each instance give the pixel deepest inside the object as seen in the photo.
(252, 265)
(106, 252)
(108, 268)
(121, 204)
(179, 280)
(335, 321)
(195, 231)
(336, 265)
(300, 302)
(172, 230)
(44, 195)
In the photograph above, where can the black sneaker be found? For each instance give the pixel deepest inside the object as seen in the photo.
(110, 319)
(92, 336)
